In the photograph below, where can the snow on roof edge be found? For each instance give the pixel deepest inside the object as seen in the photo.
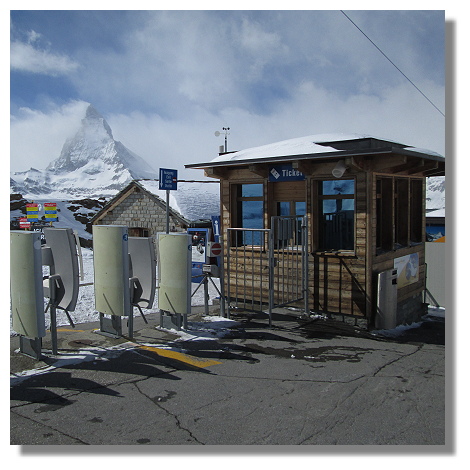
(304, 145)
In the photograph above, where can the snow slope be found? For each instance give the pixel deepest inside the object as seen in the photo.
(436, 196)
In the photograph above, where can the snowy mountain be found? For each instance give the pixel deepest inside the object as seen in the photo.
(91, 164)
(93, 167)
(436, 196)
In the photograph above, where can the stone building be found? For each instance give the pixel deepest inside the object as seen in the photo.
(142, 211)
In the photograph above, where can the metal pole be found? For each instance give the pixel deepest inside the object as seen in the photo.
(271, 273)
(130, 321)
(221, 277)
(305, 263)
(228, 271)
(167, 211)
(52, 305)
(206, 296)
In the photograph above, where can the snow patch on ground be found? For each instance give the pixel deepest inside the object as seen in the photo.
(210, 327)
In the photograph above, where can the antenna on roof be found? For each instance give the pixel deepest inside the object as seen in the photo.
(226, 129)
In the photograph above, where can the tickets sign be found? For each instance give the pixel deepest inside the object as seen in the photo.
(285, 172)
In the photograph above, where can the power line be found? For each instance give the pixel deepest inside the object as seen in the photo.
(378, 48)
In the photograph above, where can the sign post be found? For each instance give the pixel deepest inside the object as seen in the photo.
(168, 180)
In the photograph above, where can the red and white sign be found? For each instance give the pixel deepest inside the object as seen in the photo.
(215, 249)
(24, 223)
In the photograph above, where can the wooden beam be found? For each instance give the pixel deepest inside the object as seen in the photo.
(406, 167)
(423, 167)
(355, 162)
(303, 166)
(387, 163)
(259, 169)
(215, 172)
(439, 170)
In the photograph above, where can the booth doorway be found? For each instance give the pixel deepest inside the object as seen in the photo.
(267, 268)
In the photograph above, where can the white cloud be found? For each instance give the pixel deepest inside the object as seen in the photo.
(26, 58)
(268, 76)
(36, 137)
(401, 115)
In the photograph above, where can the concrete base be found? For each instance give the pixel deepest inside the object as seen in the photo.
(173, 321)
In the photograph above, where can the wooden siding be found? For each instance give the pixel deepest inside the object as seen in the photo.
(342, 283)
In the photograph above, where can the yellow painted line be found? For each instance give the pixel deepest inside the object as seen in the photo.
(191, 360)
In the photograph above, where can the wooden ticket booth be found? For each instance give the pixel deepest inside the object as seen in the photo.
(361, 203)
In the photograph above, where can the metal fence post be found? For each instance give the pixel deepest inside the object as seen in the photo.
(271, 273)
(305, 263)
(221, 277)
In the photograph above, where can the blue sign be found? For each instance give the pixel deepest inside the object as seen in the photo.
(168, 179)
(216, 226)
(285, 173)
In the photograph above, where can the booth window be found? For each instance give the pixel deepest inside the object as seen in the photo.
(416, 211)
(336, 226)
(248, 202)
(399, 213)
(384, 214)
(402, 212)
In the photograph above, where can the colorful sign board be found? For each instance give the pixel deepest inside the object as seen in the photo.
(168, 179)
(50, 210)
(407, 269)
(32, 211)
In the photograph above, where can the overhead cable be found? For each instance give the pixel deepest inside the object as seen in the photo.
(380, 50)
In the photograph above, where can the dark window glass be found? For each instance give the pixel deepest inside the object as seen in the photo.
(336, 221)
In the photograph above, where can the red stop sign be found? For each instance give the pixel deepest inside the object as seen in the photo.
(216, 249)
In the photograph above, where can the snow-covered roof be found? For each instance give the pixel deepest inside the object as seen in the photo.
(194, 200)
(298, 146)
(313, 145)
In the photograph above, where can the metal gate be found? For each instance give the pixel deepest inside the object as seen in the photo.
(267, 268)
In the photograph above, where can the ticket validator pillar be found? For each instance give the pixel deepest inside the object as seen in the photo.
(174, 279)
(125, 276)
(26, 290)
(111, 277)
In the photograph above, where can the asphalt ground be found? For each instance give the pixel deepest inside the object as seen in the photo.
(314, 382)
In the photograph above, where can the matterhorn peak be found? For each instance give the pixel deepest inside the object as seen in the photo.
(90, 142)
(94, 119)
(91, 162)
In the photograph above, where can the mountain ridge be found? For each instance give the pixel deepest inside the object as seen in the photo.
(91, 164)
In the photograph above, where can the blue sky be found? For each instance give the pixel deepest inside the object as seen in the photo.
(167, 80)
